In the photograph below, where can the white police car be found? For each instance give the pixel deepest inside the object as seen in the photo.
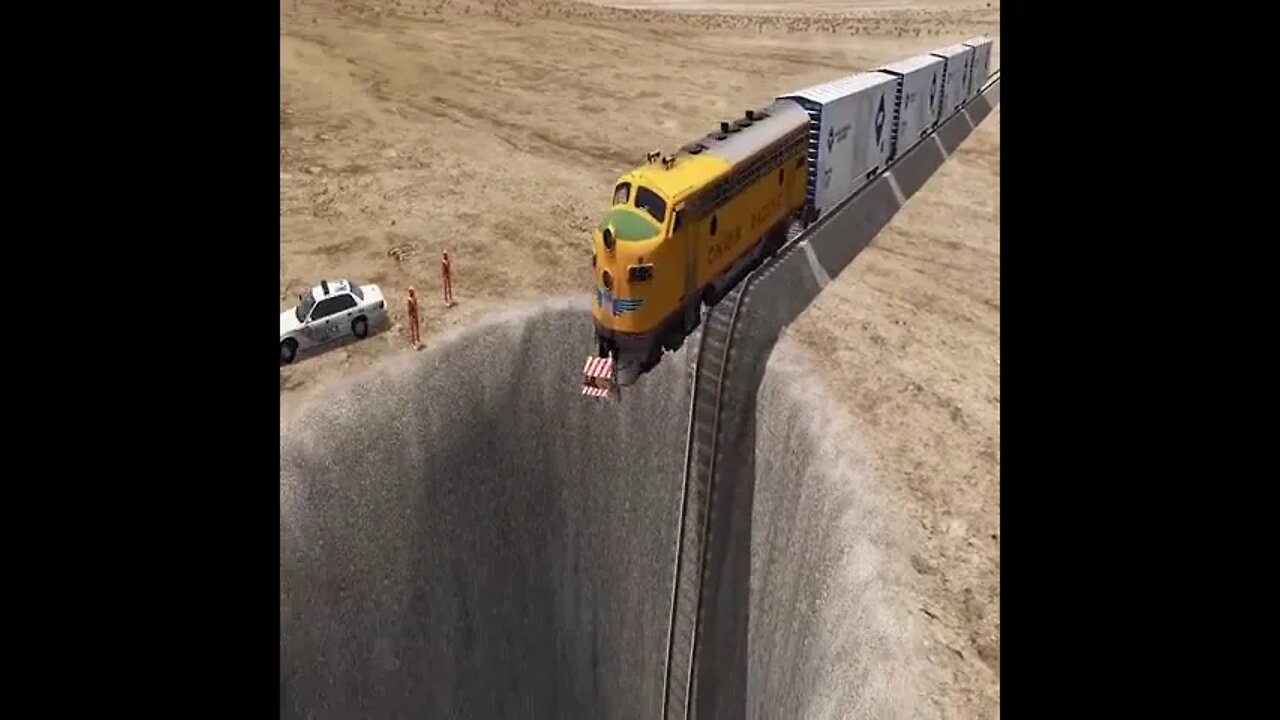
(331, 311)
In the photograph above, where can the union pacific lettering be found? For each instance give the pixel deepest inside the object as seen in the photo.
(765, 213)
(723, 244)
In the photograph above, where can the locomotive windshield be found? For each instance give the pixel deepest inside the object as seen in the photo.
(622, 194)
(649, 201)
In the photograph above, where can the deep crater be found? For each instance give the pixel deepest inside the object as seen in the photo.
(463, 535)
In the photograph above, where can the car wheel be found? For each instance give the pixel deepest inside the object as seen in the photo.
(360, 327)
(288, 351)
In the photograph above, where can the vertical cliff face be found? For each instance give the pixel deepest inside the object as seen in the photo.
(463, 535)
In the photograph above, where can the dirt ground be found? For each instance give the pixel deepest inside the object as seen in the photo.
(495, 129)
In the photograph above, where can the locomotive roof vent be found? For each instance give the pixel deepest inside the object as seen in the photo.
(694, 148)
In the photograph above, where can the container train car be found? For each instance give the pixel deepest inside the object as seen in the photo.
(956, 82)
(684, 228)
(980, 66)
(917, 99)
(849, 134)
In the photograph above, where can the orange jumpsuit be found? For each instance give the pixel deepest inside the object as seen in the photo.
(446, 272)
(413, 318)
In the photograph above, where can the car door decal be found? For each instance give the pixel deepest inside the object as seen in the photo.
(335, 325)
(314, 331)
(318, 329)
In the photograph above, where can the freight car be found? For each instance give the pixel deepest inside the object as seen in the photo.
(684, 228)
(980, 66)
(917, 99)
(849, 135)
(957, 83)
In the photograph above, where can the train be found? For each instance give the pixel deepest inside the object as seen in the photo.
(683, 229)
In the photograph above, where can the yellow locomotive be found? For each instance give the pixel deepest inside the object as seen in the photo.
(684, 228)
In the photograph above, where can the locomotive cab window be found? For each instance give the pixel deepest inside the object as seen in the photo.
(622, 194)
(649, 201)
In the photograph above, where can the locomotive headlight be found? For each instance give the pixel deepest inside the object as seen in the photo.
(607, 239)
(607, 279)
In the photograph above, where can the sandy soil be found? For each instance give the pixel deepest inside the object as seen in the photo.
(495, 129)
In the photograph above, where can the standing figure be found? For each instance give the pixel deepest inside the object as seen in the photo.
(446, 271)
(413, 319)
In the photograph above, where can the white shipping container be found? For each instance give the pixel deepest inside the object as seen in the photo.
(955, 76)
(981, 65)
(850, 124)
(919, 98)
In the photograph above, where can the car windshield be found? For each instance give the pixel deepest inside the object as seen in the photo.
(305, 303)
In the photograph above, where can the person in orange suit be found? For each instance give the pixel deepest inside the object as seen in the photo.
(413, 319)
(446, 272)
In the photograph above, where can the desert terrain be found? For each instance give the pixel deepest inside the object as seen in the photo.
(495, 129)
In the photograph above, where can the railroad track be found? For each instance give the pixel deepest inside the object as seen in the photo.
(785, 286)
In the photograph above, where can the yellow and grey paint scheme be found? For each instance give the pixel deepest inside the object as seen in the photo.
(683, 228)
